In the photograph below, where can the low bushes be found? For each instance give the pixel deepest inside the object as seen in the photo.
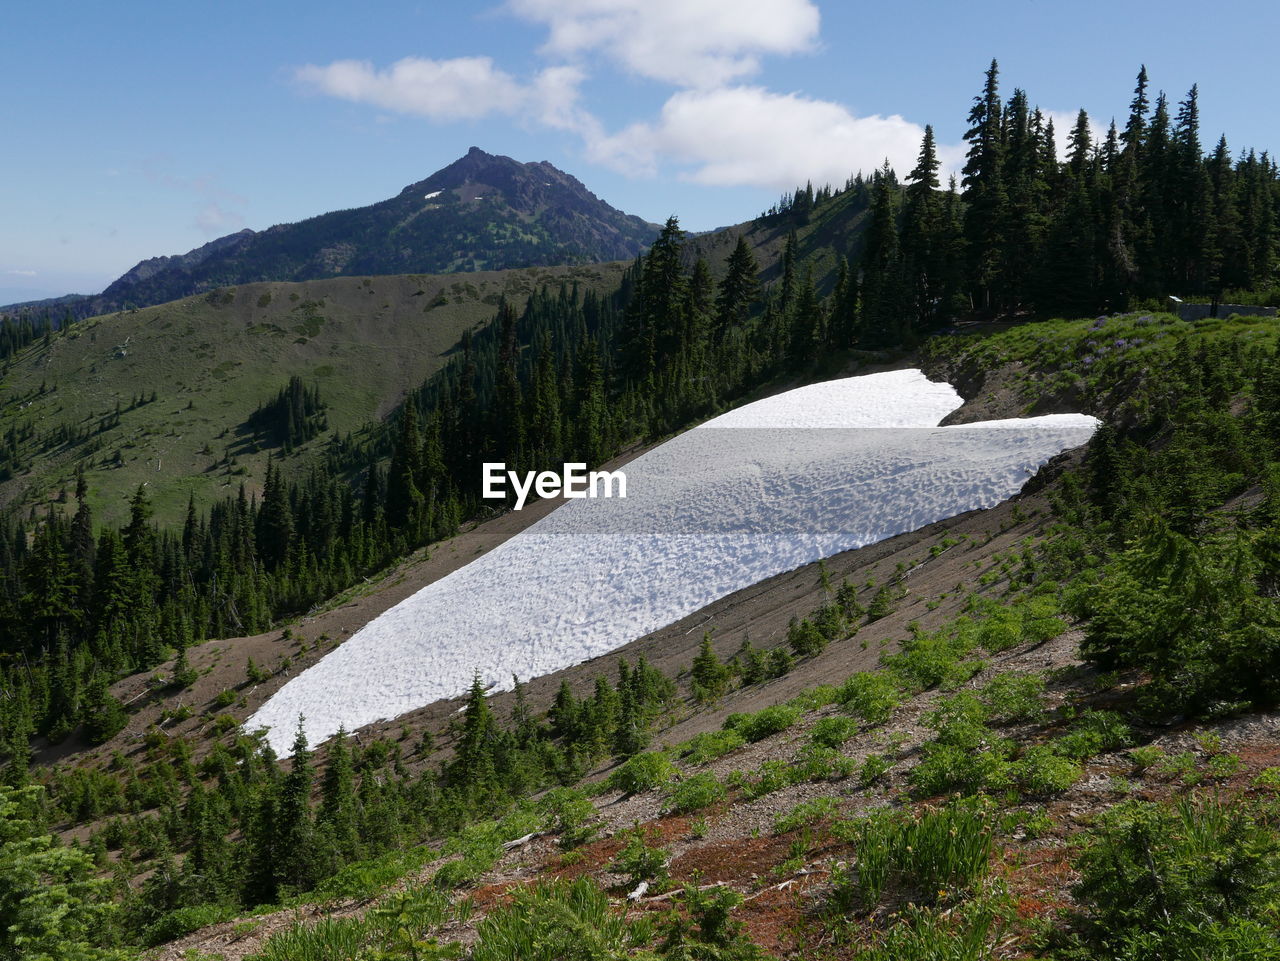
(758, 726)
(643, 772)
(697, 792)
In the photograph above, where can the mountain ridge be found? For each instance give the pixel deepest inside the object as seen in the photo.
(482, 212)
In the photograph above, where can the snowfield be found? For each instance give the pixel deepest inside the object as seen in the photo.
(756, 492)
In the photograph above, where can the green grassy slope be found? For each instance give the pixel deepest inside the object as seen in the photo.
(211, 360)
(833, 229)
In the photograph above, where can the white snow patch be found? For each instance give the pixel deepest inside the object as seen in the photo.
(794, 478)
(898, 398)
(433, 195)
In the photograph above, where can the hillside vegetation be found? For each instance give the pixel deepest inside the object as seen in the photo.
(163, 395)
(1058, 740)
(997, 778)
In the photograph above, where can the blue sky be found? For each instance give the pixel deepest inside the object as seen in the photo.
(139, 128)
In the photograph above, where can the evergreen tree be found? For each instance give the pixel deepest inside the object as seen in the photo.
(808, 324)
(474, 764)
(404, 499)
(710, 676)
(338, 814)
(1026, 210)
(985, 193)
(275, 520)
(264, 839)
(655, 322)
(922, 229)
(295, 857)
(884, 320)
(508, 408)
(51, 905)
(103, 714)
(739, 290)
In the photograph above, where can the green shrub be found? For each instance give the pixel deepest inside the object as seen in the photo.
(1011, 697)
(1268, 778)
(709, 745)
(870, 696)
(557, 921)
(1093, 733)
(644, 772)
(1194, 880)
(1180, 767)
(806, 813)
(966, 755)
(1222, 766)
(695, 793)
(1210, 742)
(705, 929)
(815, 763)
(934, 660)
(762, 724)
(946, 767)
(639, 861)
(1042, 772)
(815, 697)
(224, 698)
(833, 731)
(874, 767)
(916, 858)
(1145, 757)
(1041, 621)
(953, 712)
(769, 777)
(570, 814)
(1000, 631)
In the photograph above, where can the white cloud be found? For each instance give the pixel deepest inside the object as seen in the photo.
(738, 136)
(554, 97)
(464, 88)
(712, 130)
(21, 273)
(457, 89)
(688, 43)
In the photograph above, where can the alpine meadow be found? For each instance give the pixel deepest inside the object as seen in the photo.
(929, 607)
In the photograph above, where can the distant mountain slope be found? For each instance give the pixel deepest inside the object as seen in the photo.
(84, 398)
(482, 212)
(210, 359)
(831, 229)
